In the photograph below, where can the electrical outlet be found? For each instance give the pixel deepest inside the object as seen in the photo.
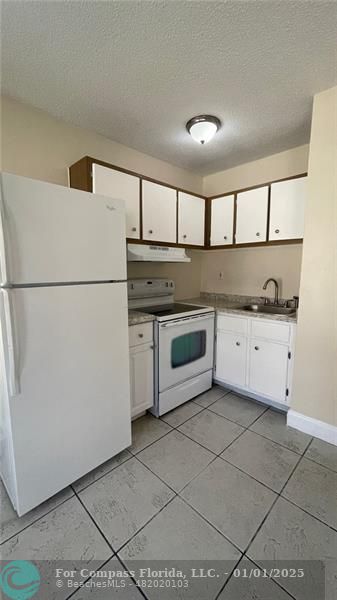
(221, 275)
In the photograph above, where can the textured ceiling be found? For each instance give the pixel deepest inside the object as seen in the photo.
(136, 71)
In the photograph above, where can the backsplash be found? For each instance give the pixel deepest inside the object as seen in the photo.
(245, 270)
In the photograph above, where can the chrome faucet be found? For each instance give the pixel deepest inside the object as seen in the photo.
(276, 288)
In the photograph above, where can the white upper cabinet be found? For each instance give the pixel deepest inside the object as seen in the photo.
(191, 219)
(251, 216)
(287, 205)
(159, 212)
(222, 217)
(110, 182)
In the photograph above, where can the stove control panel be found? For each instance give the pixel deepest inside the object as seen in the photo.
(150, 288)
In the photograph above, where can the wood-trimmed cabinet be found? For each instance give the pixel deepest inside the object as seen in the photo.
(255, 356)
(158, 213)
(159, 205)
(287, 205)
(222, 221)
(252, 215)
(266, 214)
(109, 182)
(191, 219)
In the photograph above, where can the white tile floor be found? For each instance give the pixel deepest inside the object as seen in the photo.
(220, 478)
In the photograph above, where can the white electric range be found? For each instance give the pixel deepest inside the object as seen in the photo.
(184, 342)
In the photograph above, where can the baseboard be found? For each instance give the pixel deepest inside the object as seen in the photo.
(281, 406)
(319, 429)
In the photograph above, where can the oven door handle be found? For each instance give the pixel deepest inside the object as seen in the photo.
(179, 322)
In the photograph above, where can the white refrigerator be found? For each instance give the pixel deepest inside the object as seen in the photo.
(65, 402)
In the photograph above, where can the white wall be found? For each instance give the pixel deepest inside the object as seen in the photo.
(277, 166)
(315, 384)
(36, 145)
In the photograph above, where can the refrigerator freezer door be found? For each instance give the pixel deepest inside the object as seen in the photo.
(72, 411)
(53, 234)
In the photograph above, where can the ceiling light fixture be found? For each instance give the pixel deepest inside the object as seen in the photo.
(203, 128)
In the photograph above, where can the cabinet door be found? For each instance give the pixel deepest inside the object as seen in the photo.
(222, 217)
(251, 216)
(191, 219)
(159, 213)
(117, 184)
(141, 378)
(287, 203)
(231, 356)
(268, 368)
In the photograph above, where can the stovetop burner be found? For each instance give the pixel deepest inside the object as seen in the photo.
(169, 309)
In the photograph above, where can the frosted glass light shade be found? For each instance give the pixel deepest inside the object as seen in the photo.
(203, 128)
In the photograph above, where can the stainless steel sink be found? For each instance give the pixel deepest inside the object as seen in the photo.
(269, 309)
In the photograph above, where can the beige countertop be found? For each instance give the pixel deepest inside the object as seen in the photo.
(234, 306)
(136, 317)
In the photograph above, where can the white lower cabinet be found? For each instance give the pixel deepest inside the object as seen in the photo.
(255, 356)
(231, 360)
(141, 369)
(268, 368)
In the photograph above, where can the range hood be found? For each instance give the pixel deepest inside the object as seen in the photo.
(140, 253)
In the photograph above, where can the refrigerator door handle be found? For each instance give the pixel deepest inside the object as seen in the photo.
(14, 388)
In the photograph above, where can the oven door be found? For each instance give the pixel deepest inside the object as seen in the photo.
(185, 349)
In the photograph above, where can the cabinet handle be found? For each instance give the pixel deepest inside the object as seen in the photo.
(238, 344)
(225, 237)
(151, 347)
(256, 348)
(134, 228)
(277, 231)
(140, 335)
(257, 234)
(184, 236)
(150, 230)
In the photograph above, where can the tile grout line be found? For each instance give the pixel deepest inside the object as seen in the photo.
(101, 476)
(270, 489)
(278, 495)
(88, 578)
(273, 580)
(96, 525)
(155, 475)
(115, 552)
(212, 526)
(145, 524)
(229, 578)
(40, 517)
(334, 529)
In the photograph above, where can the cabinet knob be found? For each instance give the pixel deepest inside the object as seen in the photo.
(134, 228)
(256, 348)
(140, 335)
(238, 344)
(277, 231)
(184, 236)
(151, 347)
(225, 237)
(150, 230)
(257, 234)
